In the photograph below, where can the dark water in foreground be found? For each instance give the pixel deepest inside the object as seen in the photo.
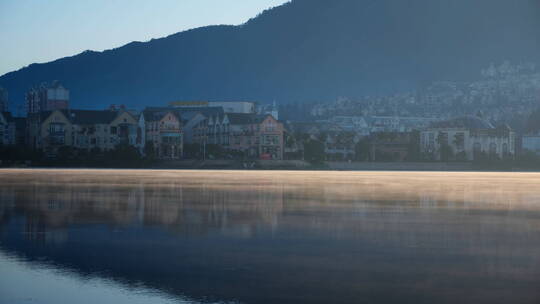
(268, 237)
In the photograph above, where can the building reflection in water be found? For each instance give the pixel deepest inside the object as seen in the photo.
(288, 237)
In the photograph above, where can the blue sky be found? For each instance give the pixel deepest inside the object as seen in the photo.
(44, 30)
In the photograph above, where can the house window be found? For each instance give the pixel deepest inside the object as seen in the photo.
(56, 128)
(460, 140)
(113, 130)
(270, 126)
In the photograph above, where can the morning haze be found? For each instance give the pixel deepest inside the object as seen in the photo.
(304, 151)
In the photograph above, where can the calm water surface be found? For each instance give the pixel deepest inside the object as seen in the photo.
(113, 236)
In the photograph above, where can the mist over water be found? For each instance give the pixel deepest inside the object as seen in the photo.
(134, 236)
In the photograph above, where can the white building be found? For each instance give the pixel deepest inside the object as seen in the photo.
(467, 138)
(379, 124)
(357, 124)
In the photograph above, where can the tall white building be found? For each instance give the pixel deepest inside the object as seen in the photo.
(47, 97)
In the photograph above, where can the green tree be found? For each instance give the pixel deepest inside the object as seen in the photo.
(124, 153)
(314, 151)
(149, 150)
(362, 149)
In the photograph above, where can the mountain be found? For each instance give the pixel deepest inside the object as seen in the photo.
(305, 50)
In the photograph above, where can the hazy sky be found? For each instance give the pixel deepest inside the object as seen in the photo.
(44, 30)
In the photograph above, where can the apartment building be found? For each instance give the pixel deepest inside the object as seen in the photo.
(47, 97)
(467, 138)
(83, 129)
(164, 132)
(253, 135)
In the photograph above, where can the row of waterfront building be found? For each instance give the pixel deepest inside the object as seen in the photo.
(244, 129)
(164, 132)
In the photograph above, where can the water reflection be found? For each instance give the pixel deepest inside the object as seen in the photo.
(58, 285)
(283, 237)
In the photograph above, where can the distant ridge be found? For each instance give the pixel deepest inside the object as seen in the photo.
(305, 50)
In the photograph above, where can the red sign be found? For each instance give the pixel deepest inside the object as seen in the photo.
(266, 156)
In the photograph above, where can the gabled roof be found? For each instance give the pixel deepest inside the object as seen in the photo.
(90, 117)
(187, 116)
(155, 114)
(240, 118)
(41, 116)
(83, 117)
(244, 118)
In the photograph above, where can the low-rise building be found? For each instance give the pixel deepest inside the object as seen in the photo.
(467, 138)
(341, 145)
(391, 146)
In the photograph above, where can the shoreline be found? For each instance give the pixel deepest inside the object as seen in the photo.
(290, 165)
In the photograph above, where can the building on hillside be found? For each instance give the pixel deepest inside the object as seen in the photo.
(245, 107)
(4, 100)
(467, 138)
(47, 97)
(379, 124)
(164, 132)
(356, 124)
(83, 129)
(315, 130)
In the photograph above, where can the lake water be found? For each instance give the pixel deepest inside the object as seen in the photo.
(128, 236)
